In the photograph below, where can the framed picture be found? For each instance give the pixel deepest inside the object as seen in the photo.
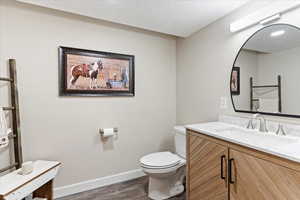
(95, 73)
(235, 81)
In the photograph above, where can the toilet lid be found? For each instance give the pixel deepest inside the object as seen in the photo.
(159, 160)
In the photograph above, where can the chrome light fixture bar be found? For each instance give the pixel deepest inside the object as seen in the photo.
(270, 19)
(265, 15)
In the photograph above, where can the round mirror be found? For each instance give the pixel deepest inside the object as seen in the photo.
(265, 77)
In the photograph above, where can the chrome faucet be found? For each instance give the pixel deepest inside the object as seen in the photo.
(280, 130)
(262, 122)
(250, 124)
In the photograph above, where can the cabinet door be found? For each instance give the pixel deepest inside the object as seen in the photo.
(258, 179)
(207, 169)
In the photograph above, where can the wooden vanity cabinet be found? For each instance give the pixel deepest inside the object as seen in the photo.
(243, 174)
(207, 169)
(258, 179)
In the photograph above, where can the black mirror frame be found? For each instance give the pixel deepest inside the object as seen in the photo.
(254, 112)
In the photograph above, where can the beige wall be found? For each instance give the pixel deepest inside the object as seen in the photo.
(204, 62)
(66, 129)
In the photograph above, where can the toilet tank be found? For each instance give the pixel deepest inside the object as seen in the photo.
(180, 141)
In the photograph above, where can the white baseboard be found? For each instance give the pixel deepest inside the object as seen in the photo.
(96, 183)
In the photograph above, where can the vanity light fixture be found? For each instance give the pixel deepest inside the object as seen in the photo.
(277, 33)
(265, 15)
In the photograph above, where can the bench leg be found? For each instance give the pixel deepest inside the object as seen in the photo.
(46, 191)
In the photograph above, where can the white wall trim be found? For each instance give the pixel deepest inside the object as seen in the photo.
(96, 183)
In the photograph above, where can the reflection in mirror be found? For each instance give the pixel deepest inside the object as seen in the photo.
(266, 73)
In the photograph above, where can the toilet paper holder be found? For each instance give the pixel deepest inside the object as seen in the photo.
(101, 131)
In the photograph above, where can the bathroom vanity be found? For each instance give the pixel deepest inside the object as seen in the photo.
(243, 160)
(226, 161)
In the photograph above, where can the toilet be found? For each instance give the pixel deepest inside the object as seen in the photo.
(166, 170)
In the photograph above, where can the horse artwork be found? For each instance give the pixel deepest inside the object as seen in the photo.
(90, 71)
(94, 73)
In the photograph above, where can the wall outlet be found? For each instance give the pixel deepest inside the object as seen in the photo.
(223, 103)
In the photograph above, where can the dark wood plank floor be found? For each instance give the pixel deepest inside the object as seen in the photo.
(130, 190)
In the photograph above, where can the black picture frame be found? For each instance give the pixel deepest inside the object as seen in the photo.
(237, 81)
(94, 92)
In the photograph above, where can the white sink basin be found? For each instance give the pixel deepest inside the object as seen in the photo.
(260, 138)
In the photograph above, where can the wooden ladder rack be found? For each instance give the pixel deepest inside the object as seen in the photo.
(14, 108)
(278, 87)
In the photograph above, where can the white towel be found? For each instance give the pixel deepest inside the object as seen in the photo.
(4, 130)
(268, 105)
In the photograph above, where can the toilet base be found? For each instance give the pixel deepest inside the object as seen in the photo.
(164, 187)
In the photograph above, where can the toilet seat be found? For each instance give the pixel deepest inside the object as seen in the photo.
(160, 160)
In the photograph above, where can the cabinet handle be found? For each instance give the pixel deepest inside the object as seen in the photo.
(222, 167)
(230, 171)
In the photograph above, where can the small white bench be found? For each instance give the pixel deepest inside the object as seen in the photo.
(14, 186)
